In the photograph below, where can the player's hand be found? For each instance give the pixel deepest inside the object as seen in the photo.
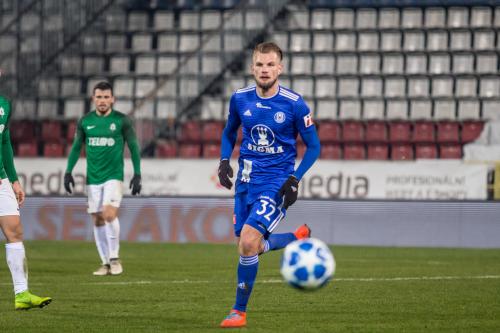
(290, 191)
(225, 173)
(18, 191)
(135, 184)
(68, 180)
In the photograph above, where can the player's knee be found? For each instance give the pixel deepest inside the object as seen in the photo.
(248, 247)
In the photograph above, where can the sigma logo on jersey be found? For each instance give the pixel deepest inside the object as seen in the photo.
(279, 117)
(259, 105)
(263, 139)
(101, 142)
(2, 127)
(308, 121)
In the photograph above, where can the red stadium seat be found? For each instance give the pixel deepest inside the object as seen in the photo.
(24, 131)
(27, 149)
(331, 152)
(376, 131)
(450, 151)
(191, 132)
(329, 132)
(353, 131)
(70, 130)
(471, 130)
(166, 149)
(145, 131)
(189, 150)
(211, 150)
(426, 151)
(399, 131)
(378, 151)
(424, 132)
(70, 145)
(51, 131)
(448, 132)
(212, 131)
(53, 149)
(401, 151)
(354, 151)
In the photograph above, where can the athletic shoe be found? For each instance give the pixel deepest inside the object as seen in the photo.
(103, 270)
(115, 266)
(26, 301)
(234, 319)
(302, 232)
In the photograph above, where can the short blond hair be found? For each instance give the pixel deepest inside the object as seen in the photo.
(268, 47)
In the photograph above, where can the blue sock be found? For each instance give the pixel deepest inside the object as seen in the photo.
(247, 272)
(278, 241)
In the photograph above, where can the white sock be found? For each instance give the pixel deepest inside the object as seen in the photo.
(101, 241)
(113, 235)
(16, 260)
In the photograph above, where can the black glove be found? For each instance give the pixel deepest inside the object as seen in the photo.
(135, 184)
(68, 180)
(290, 190)
(225, 173)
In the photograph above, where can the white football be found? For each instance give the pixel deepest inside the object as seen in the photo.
(307, 264)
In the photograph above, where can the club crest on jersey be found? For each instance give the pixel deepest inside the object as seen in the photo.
(2, 112)
(279, 117)
(263, 138)
(2, 127)
(112, 127)
(308, 121)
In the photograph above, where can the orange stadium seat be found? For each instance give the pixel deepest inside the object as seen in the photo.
(353, 131)
(471, 129)
(401, 151)
(354, 151)
(212, 131)
(329, 131)
(191, 132)
(51, 131)
(377, 151)
(399, 131)
(27, 149)
(424, 132)
(53, 149)
(426, 150)
(376, 131)
(450, 151)
(211, 150)
(189, 150)
(166, 149)
(331, 151)
(448, 132)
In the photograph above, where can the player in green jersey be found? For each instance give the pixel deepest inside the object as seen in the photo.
(11, 197)
(104, 132)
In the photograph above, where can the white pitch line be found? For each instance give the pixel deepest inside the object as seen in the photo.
(390, 279)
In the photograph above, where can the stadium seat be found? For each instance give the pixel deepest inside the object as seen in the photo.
(189, 150)
(354, 151)
(376, 131)
(331, 151)
(329, 131)
(426, 150)
(24, 131)
(190, 131)
(353, 131)
(401, 151)
(450, 151)
(166, 149)
(69, 145)
(51, 131)
(399, 131)
(27, 149)
(145, 130)
(71, 130)
(211, 150)
(423, 132)
(53, 149)
(448, 132)
(471, 130)
(377, 151)
(212, 131)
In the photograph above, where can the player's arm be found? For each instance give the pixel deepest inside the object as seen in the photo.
(129, 136)
(73, 156)
(228, 141)
(8, 155)
(307, 130)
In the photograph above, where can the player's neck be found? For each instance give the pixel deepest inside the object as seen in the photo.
(266, 93)
(105, 114)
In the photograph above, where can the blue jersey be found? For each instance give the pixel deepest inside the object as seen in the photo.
(270, 127)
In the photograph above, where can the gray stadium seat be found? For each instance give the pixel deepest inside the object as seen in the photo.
(437, 40)
(496, 23)
(321, 19)
(188, 42)
(468, 109)
(281, 38)
(212, 108)
(124, 105)
(304, 85)
(420, 109)
(394, 87)
(371, 87)
(233, 42)
(255, 19)
(458, 17)
(439, 63)
(326, 109)
(93, 43)
(416, 63)
(366, 18)
(141, 42)
(490, 109)
(396, 109)
(47, 108)
(115, 43)
(442, 86)
(349, 109)
(191, 66)
(137, 21)
(188, 87)
(166, 108)
(343, 18)
(345, 41)
(119, 64)
(413, 40)
(167, 42)
(210, 20)
(166, 64)
(301, 64)
(164, 20)
(189, 20)
(211, 63)
(347, 63)
(390, 41)
(93, 65)
(348, 86)
(145, 64)
(435, 17)
(115, 20)
(484, 40)
(463, 63)
(325, 87)
(233, 20)
(393, 63)
(411, 18)
(123, 87)
(465, 86)
(418, 86)
(298, 19)
(300, 41)
(30, 22)
(486, 63)
(324, 64)
(146, 110)
(74, 108)
(388, 18)
(373, 109)
(168, 89)
(369, 63)
(233, 84)
(489, 86)
(71, 87)
(460, 40)
(480, 17)
(322, 41)
(48, 87)
(444, 109)
(368, 41)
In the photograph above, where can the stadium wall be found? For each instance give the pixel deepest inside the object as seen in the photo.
(468, 224)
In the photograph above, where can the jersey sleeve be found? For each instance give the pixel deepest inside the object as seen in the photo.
(8, 153)
(129, 136)
(76, 147)
(305, 126)
(230, 132)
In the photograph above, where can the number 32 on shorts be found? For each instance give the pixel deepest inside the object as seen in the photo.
(267, 209)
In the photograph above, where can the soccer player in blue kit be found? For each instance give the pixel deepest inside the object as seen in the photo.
(271, 116)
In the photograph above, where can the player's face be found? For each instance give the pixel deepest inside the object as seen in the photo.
(103, 100)
(266, 67)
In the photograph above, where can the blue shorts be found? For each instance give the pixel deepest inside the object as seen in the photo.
(263, 213)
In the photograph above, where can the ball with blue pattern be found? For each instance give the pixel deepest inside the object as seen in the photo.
(307, 264)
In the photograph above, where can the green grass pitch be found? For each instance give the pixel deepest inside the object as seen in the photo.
(190, 288)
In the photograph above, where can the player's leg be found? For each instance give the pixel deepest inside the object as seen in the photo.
(95, 195)
(11, 226)
(112, 196)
